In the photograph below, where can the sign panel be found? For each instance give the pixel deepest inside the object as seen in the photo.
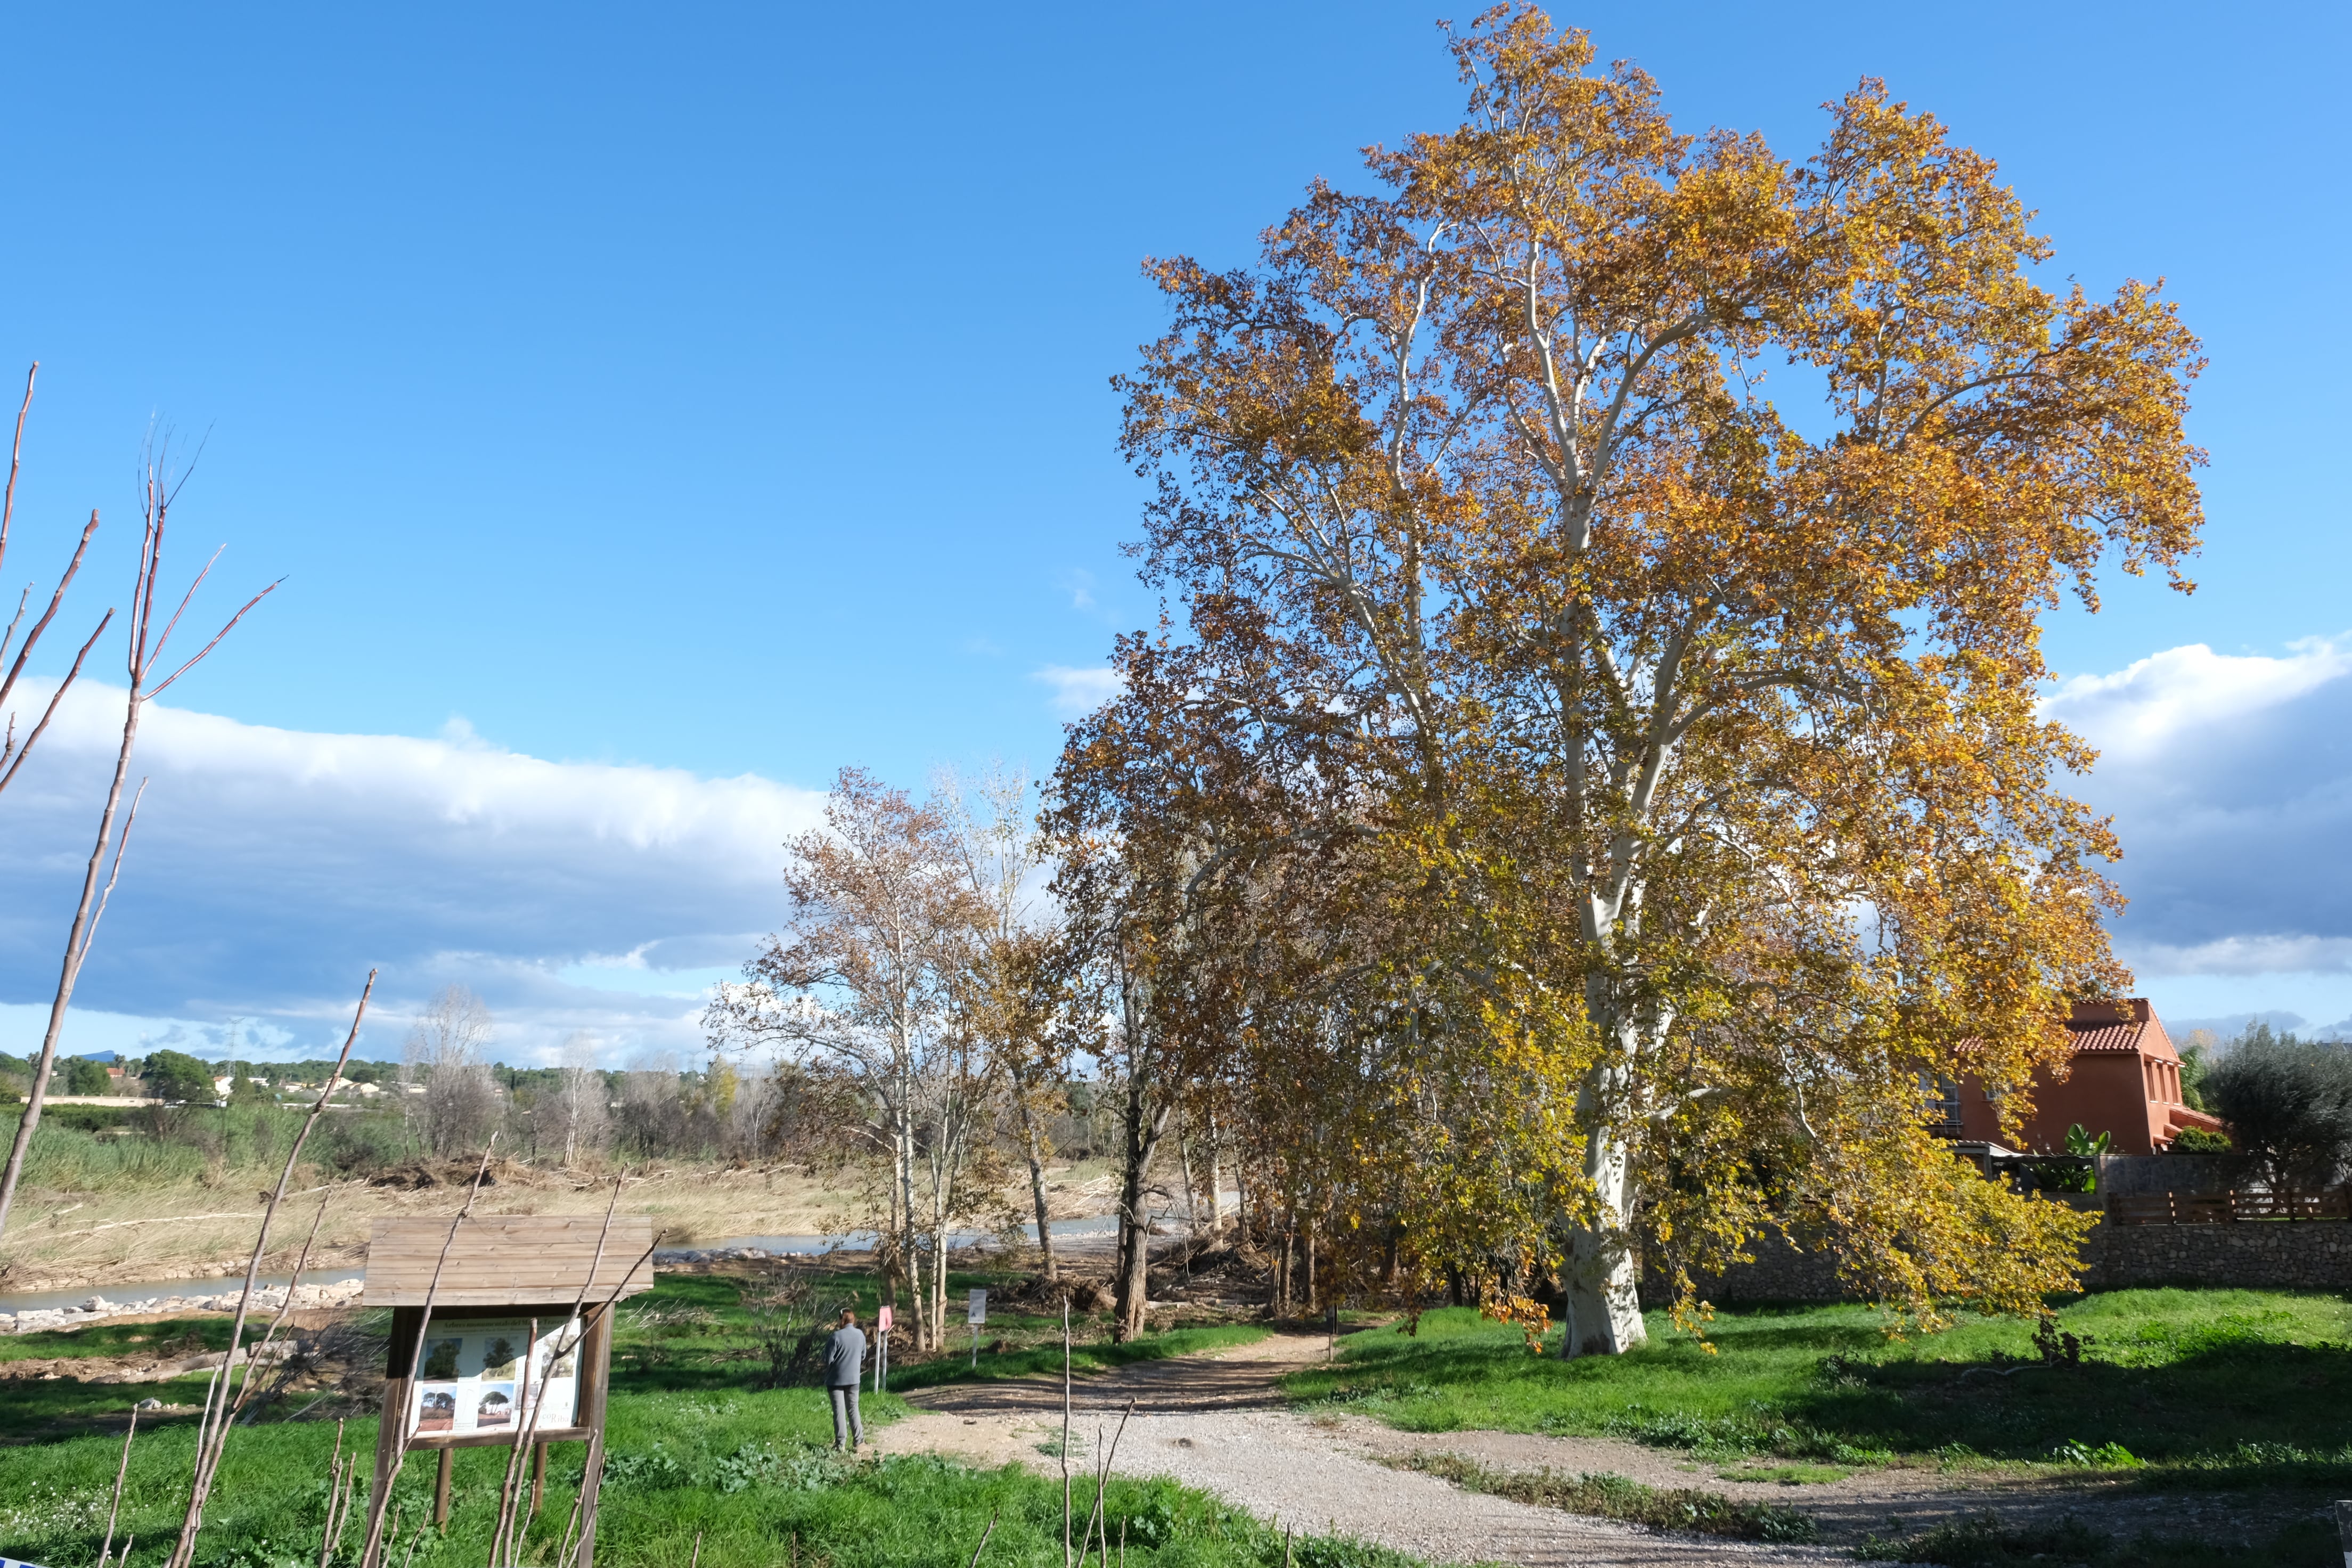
(470, 1377)
(882, 1317)
(975, 1312)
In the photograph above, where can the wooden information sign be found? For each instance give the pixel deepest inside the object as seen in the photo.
(502, 1358)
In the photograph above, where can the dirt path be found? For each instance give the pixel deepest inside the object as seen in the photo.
(1220, 1422)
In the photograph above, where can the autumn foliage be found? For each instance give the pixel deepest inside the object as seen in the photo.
(1592, 777)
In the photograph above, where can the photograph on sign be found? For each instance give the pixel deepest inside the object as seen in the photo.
(471, 1381)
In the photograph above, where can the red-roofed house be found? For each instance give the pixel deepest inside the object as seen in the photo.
(2126, 1079)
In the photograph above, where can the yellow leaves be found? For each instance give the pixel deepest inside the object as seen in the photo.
(1549, 694)
(1532, 1317)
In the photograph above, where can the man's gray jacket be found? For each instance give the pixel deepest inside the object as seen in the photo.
(845, 1357)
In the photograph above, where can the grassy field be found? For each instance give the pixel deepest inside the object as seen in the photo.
(2212, 1387)
(694, 1448)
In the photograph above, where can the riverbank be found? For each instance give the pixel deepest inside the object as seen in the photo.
(202, 1230)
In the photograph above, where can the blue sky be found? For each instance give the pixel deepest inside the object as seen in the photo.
(653, 412)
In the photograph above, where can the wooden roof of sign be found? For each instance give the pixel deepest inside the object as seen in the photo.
(506, 1260)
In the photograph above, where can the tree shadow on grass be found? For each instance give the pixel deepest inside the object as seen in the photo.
(2256, 1402)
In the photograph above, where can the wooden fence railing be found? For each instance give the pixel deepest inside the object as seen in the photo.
(2224, 1208)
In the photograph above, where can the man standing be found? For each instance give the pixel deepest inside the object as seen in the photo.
(845, 1359)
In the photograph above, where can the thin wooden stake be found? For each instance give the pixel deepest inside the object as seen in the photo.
(696, 1561)
(212, 1430)
(376, 1546)
(116, 1507)
(593, 1481)
(1065, 1431)
(503, 1539)
(983, 1540)
(335, 1497)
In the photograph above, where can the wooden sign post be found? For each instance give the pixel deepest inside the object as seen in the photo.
(501, 1346)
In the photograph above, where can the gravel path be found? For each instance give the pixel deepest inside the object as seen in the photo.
(1217, 1423)
(1221, 1422)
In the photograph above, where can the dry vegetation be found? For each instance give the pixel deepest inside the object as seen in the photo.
(198, 1228)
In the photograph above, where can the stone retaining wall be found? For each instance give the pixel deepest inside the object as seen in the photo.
(2298, 1255)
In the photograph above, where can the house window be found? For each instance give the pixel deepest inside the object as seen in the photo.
(1943, 1097)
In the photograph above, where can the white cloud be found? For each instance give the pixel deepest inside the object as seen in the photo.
(2229, 780)
(2139, 709)
(272, 868)
(1077, 693)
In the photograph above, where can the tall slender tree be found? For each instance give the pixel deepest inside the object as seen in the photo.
(1685, 737)
(864, 985)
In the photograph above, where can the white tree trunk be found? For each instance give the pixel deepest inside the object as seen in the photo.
(1598, 1276)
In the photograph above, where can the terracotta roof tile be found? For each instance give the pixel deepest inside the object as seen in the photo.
(2120, 1028)
(2108, 1037)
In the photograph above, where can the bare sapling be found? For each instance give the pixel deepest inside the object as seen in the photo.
(376, 1546)
(592, 1479)
(146, 655)
(1065, 1432)
(983, 1539)
(335, 1493)
(115, 1509)
(504, 1539)
(1102, 1484)
(259, 1355)
(14, 752)
(212, 1429)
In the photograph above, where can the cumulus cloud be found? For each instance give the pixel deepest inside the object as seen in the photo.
(273, 867)
(2227, 777)
(2142, 709)
(1079, 691)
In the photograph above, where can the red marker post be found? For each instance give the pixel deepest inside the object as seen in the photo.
(882, 1346)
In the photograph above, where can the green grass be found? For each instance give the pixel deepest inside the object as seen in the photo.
(1787, 1475)
(31, 1408)
(2212, 1387)
(694, 1447)
(1621, 1498)
(750, 1471)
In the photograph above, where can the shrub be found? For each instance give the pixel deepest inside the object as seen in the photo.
(2197, 1140)
(2288, 1104)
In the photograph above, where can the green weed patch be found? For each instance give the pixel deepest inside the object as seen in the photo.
(1984, 1541)
(1621, 1498)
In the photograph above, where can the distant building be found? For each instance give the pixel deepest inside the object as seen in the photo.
(2124, 1077)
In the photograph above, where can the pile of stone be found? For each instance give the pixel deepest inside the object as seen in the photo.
(265, 1298)
(669, 1257)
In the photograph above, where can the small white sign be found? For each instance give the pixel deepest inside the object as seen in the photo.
(976, 1312)
(470, 1378)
